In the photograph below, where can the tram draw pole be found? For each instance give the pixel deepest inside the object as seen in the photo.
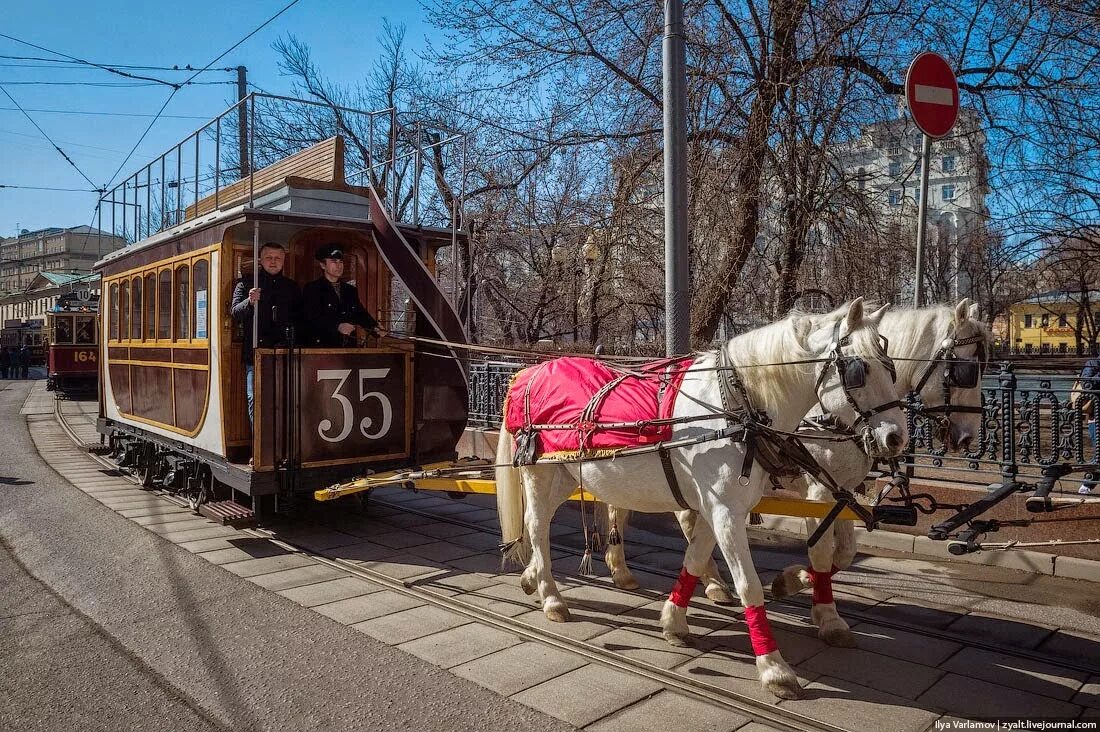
(255, 283)
(677, 300)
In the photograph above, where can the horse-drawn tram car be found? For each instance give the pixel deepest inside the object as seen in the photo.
(72, 332)
(173, 402)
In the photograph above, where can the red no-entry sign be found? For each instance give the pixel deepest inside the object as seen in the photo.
(932, 94)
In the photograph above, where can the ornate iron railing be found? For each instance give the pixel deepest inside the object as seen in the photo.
(1029, 421)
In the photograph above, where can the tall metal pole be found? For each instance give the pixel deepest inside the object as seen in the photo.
(922, 211)
(677, 297)
(242, 121)
(256, 283)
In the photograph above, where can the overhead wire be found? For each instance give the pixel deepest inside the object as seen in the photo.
(48, 188)
(109, 69)
(76, 64)
(191, 78)
(61, 152)
(100, 114)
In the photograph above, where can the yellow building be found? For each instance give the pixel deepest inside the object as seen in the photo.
(1047, 324)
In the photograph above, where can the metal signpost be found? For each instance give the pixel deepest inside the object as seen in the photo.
(677, 296)
(932, 95)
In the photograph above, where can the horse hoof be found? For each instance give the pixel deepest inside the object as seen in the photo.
(558, 614)
(717, 593)
(679, 640)
(790, 582)
(838, 637)
(625, 583)
(786, 688)
(527, 585)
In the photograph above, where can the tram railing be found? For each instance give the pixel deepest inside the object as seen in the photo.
(1029, 422)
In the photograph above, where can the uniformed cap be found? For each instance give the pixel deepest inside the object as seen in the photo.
(329, 251)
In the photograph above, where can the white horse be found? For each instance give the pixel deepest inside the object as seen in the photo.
(916, 338)
(814, 363)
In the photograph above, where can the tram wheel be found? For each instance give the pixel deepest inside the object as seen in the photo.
(197, 491)
(147, 468)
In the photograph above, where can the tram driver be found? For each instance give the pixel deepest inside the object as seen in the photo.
(277, 299)
(331, 307)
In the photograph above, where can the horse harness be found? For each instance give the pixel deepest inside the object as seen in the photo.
(958, 372)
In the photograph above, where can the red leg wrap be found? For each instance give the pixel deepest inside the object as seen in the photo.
(823, 585)
(760, 633)
(683, 589)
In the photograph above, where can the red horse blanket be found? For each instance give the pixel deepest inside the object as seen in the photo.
(570, 404)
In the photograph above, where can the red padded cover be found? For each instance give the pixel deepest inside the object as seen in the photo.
(558, 391)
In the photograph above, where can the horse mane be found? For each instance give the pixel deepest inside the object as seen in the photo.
(917, 333)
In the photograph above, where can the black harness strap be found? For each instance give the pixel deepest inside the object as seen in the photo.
(670, 475)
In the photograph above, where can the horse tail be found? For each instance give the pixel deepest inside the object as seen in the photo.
(510, 503)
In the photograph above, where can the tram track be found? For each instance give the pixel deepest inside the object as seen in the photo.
(756, 709)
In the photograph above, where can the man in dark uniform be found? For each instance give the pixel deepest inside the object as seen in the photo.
(279, 303)
(331, 308)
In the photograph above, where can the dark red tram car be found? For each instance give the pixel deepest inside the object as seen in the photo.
(72, 332)
(172, 395)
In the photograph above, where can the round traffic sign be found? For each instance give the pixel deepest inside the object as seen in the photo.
(932, 94)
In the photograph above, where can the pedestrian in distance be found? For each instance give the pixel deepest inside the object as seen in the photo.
(5, 363)
(331, 307)
(277, 300)
(1086, 396)
(25, 361)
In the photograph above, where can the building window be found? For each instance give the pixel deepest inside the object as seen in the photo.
(1063, 320)
(1044, 348)
(164, 306)
(949, 193)
(1063, 347)
(183, 302)
(949, 163)
(895, 168)
(1044, 320)
(150, 307)
(1028, 321)
(893, 197)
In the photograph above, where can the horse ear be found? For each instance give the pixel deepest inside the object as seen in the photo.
(855, 314)
(876, 317)
(974, 311)
(962, 311)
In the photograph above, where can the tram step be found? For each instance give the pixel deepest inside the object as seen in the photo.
(229, 513)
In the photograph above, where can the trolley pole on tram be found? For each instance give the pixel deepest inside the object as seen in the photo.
(677, 295)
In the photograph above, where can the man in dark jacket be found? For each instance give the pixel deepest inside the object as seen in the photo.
(5, 362)
(278, 302)
(331, 308)
(25, 361)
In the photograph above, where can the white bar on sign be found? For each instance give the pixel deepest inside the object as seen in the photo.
(934, 95)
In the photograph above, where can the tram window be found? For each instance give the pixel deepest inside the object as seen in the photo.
(150, 307)
(62, 329)
(164, 306)
(114, 312)
(201, 276)
(183, 302)
(85, 330)
(138, 311)
(124, 310)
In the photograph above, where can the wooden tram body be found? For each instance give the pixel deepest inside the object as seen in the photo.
(173, 395)
(72, 334)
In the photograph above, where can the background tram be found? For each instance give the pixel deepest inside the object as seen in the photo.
(72, 333)
(172, 398)
(18, 333)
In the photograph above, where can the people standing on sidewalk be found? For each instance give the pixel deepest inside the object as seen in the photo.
(5, 362)
(25, 362)
(1087, 386)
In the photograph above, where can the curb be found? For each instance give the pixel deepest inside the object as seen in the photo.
(921, 547)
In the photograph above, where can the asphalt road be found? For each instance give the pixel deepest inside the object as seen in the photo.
(104, 625)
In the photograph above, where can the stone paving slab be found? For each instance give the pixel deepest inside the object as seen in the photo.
(733, 642)
(163, 518)
(970, 697)
(444, 531)
(503, 599)
(442, 551)
(583, 626)
(157, 511)
(518, 667)
(1079, 647)
(891, 675)
(735, 672)
(702, 620)
(602, 599)
(409, 520)
(200, 546)
(917, 611)
(840, 702)
(402, 539)
(175, 527)
(331, 591)
(364, 551)
(403, 569)
(459, 645)
(1089, 695)
(669, 710)
(212, 531)
(315, 538)
(1017, 634)
(408, 625)
(1018, 673)
(587, 694)
(451, 582)
(253, 567)
(912, 646)
(365, 607)
(297, 577)
(651, 650)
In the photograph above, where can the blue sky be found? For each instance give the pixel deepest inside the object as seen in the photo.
(343, 37)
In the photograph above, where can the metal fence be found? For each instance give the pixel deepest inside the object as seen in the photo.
(1029, 422)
